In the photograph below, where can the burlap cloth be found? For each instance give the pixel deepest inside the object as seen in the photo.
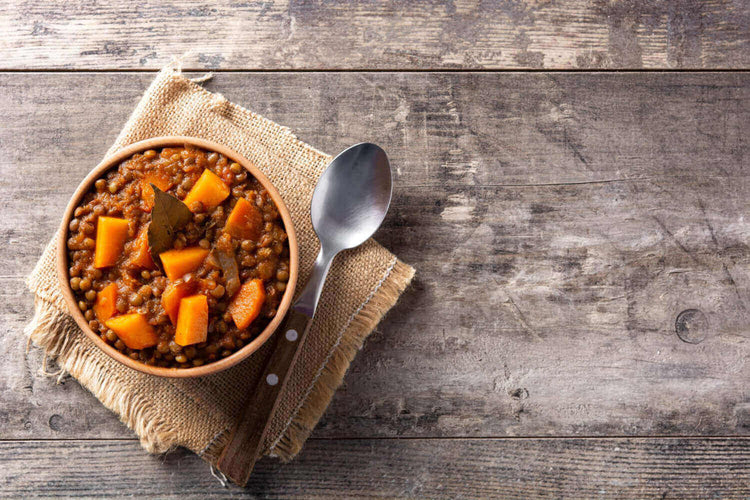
(198, 413)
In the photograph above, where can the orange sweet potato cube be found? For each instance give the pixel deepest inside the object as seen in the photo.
(192, 321)
(247, 303)
(139, 254)
(179, 262)
(134, 330)
(209, 189)
(111, 233)
(173, 294)
(245, 222)
(104, 307)
(158, 179)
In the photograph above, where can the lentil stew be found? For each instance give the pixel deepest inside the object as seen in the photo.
(212, 292)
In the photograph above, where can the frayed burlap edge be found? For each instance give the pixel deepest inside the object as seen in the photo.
(363, 321)
(57, 334)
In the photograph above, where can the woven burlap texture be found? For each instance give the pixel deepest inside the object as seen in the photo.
(198, 413)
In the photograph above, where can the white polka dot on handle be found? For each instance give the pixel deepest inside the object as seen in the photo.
(291, 335)
(272, 379)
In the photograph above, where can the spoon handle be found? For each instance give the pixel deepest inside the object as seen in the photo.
(244, 447)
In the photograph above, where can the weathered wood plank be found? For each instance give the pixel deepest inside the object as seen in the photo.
(225, 34)
(438, 468)
(560, 223)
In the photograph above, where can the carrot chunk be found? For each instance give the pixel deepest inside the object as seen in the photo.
(158, 179)
(111, 233)
(104, 307)
(140, 255)
(173, 294)
(192, 320)
(134, 330)
(209, 189)
(247, 303)
(245, 222)
(179, 262)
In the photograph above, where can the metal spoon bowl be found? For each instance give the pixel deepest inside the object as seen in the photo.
(349, 204)
(352, 197)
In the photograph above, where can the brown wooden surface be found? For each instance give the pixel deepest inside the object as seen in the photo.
(226, 34)
(470, 468)
(578, 323)
(560, 223)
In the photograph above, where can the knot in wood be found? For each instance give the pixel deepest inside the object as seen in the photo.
(691, 326)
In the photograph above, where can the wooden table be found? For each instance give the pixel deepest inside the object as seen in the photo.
(578, 326)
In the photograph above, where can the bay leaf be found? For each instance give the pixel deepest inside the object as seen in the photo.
(168, 216)
(223, 252)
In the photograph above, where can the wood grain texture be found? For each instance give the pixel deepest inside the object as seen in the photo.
(502, 34)
(441, 468)
(560, 223)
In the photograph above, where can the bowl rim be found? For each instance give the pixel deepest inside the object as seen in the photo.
(62, 257)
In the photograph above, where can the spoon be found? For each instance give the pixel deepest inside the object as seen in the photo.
(349, 204)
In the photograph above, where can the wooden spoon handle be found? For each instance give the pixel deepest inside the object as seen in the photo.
(239, 456)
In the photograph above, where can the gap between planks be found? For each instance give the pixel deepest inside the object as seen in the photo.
(383, 70)
(437, 438)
